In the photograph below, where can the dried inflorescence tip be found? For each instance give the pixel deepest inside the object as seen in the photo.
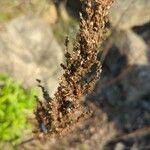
(92, 32)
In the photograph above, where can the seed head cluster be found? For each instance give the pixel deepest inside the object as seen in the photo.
(56, 113)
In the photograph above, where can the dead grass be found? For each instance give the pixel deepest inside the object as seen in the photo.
(54, 115)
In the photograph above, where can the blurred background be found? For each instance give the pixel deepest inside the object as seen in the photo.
(32, 35)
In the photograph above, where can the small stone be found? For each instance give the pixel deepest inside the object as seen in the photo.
(132, 46)
(120, 146)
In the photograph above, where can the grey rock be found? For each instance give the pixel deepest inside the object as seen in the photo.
(128, 13)
(29, 50)
(34, 35)
(135, 74)
(136, 82)
(132, 46)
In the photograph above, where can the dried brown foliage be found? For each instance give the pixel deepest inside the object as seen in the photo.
(59, 112)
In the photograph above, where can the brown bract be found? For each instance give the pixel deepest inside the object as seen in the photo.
(55, 114)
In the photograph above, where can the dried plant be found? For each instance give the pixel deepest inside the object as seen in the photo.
(57, 113)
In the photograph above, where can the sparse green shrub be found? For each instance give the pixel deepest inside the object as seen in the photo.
(15, 105)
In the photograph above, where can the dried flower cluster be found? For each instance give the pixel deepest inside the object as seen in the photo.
(56, 113)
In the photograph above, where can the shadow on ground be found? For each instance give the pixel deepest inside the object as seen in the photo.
(123, 93)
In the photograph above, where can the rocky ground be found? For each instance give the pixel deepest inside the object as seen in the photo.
(121, 98)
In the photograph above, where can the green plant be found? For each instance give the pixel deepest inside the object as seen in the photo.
(15, 105)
